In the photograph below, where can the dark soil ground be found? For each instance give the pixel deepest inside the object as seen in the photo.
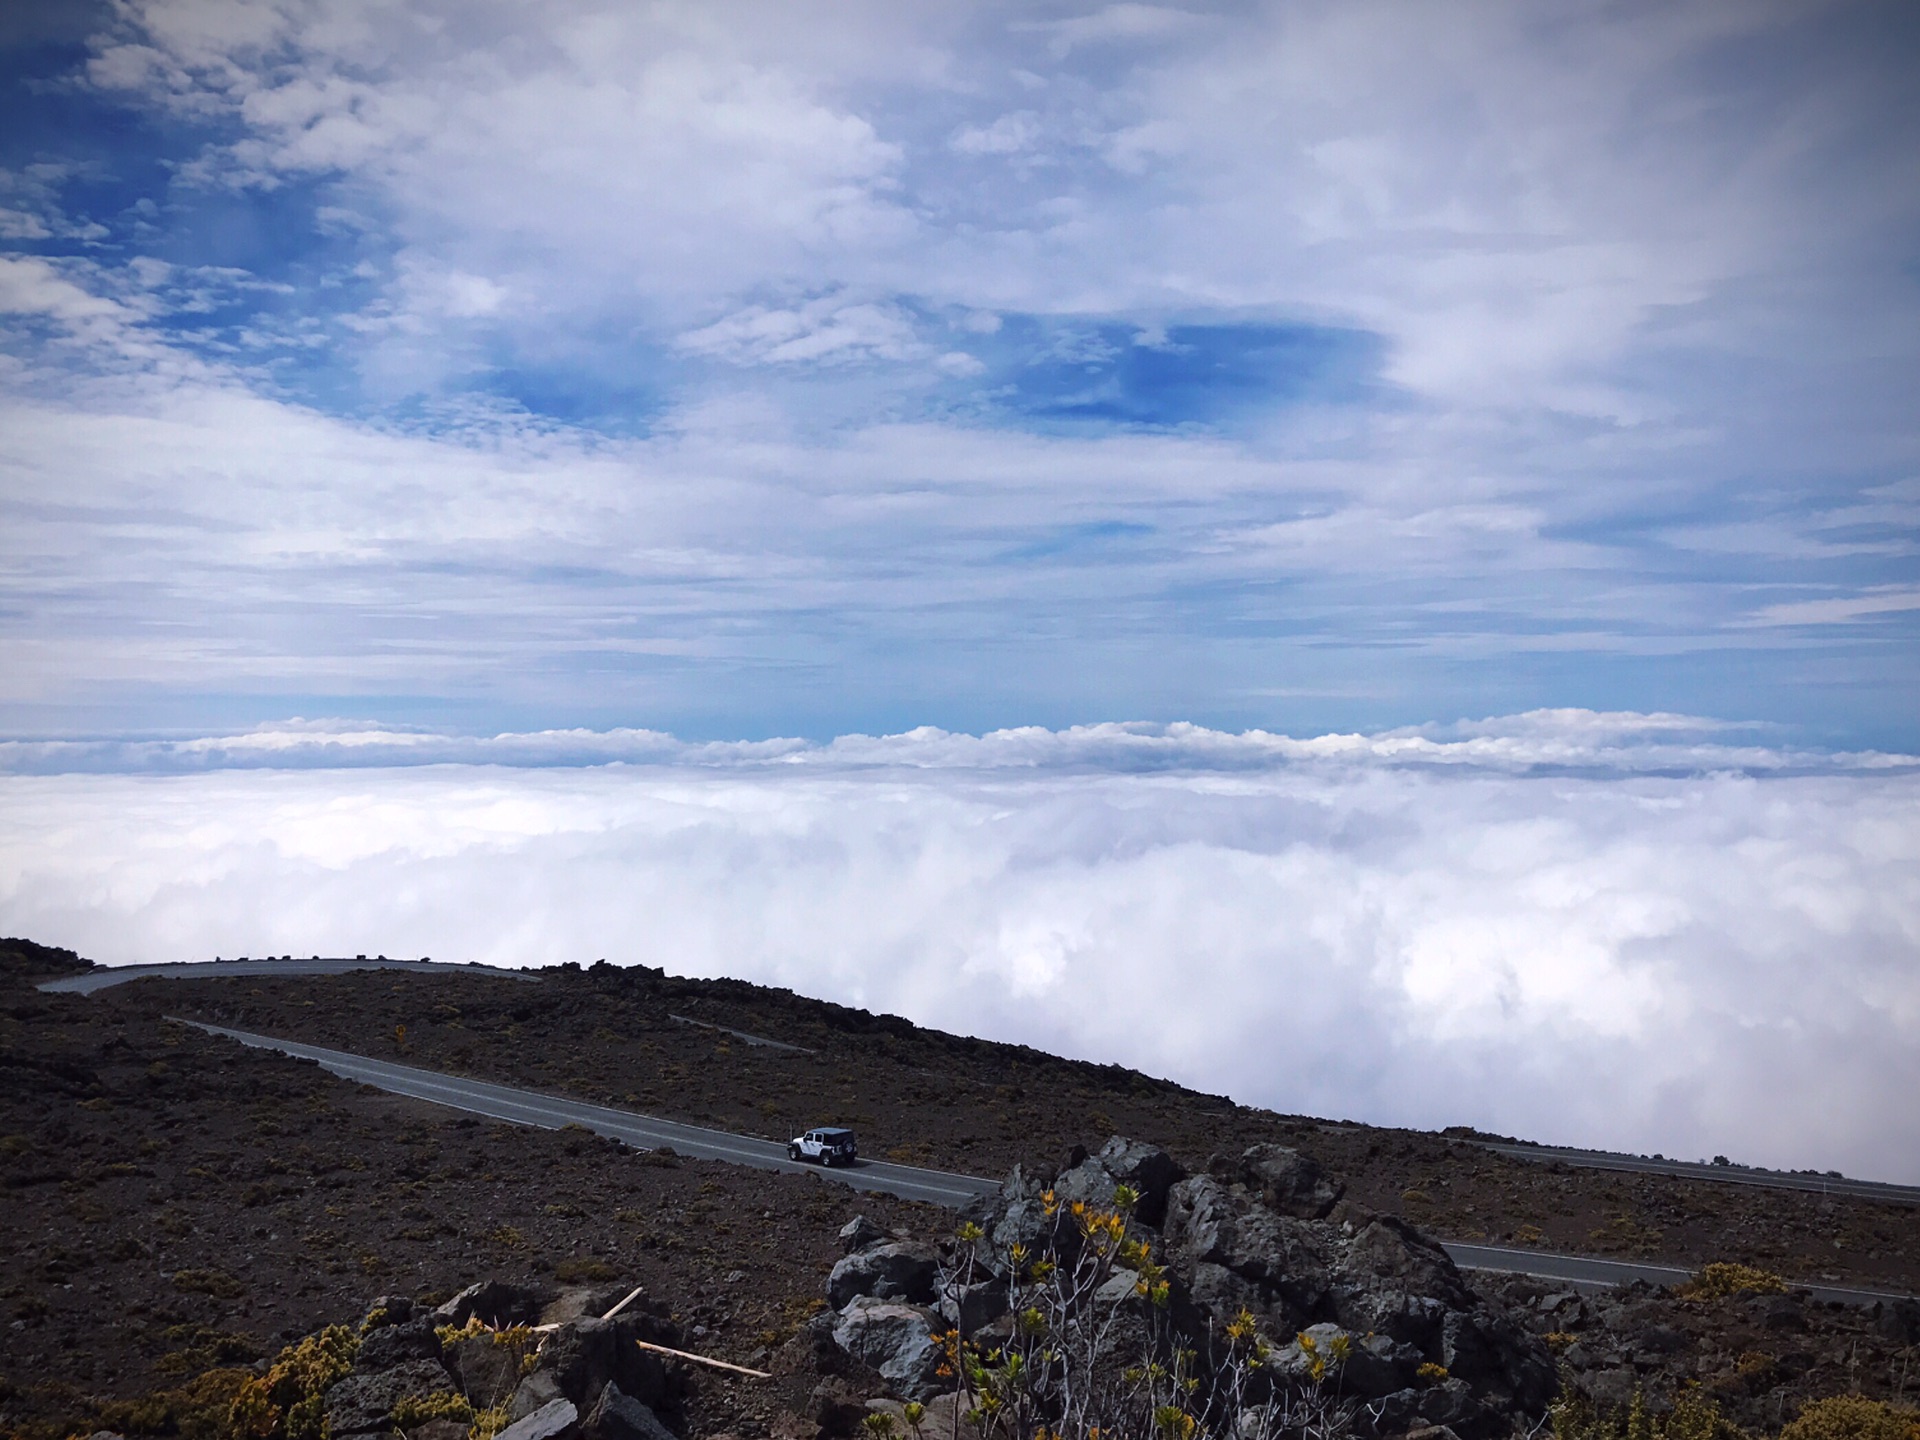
(173, 1201)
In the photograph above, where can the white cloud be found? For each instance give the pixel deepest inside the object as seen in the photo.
(1479, 189)
(1008, 135)
(1723, 960)
(1841, 609)
(829, 329)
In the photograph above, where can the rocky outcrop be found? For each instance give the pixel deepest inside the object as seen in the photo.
(1362, 1303)
(895, 1341)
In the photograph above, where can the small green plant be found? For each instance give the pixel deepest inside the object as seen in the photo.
(415, 1410)
(217, 1283)
(491, 1421)
(1722, 1279)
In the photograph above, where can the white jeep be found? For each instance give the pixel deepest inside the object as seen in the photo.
(829, 1144)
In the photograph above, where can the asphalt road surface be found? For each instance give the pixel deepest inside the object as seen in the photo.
(218, 969)
(1586, 1273)
(909, 1182)
(1719, 1174)
(550, 1112)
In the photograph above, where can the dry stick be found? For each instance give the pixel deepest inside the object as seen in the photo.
(632, 1296)
(704, 1360)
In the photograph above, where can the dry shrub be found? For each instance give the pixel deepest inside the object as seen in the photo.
(1722, 1279)
(1853, 1417)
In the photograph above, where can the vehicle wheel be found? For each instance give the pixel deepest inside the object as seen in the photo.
(826, 1159)
(793, 1152)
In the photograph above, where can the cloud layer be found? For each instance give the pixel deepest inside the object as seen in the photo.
(1601, 929)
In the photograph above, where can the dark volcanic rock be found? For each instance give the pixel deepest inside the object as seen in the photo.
(558, 1421)
(391, 1344)
(893, 1340)
(1288, 1182)
(487, 1371)
(616, 1415)
(364, 1400)
(495, 1302)
(899, 1270)
(1145, 1169)
(860, 1232)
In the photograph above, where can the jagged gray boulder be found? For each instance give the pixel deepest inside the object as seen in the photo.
(899, 1270)
(387, 1310)
(487, 1371)
(1283, 1265)
(1017, 1215)
(537, 1390)
(1289, 1182)
(894, 1340)
(496, 1303)
(1145, 1169)
(390, 1344)
(363, 1401)
(1365, 1367)
(616, 1415)
(557, 1421)
(971, 1308)
(860, 1232)
(581, 1356)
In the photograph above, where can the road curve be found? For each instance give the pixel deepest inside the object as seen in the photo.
(106, 975)
(1884, 1192)
(1719, 1174)
(644, 1132)
(909, 1182)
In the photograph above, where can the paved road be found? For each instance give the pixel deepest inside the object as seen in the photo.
(1721, 1174)
(218, 969)
(550, 1112)
(1586, 1273)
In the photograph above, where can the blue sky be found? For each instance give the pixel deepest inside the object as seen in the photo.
(1379, 536)
(775, 371)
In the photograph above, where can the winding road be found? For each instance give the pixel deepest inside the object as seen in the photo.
(909, 1182)
(520, 1106)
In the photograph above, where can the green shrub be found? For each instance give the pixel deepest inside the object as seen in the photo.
(1722, 1279)
(199, 1410)
(440, 1405)
(1693, 1417)
(216, 1283)
(286, 1403)
(1853, 1417)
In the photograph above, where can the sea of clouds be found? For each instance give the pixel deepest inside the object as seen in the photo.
(1643, 932)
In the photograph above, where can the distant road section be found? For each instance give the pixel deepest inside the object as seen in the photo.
(220, 969)
(551, 1112)
(1719, 1174)
(1584, 1272)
